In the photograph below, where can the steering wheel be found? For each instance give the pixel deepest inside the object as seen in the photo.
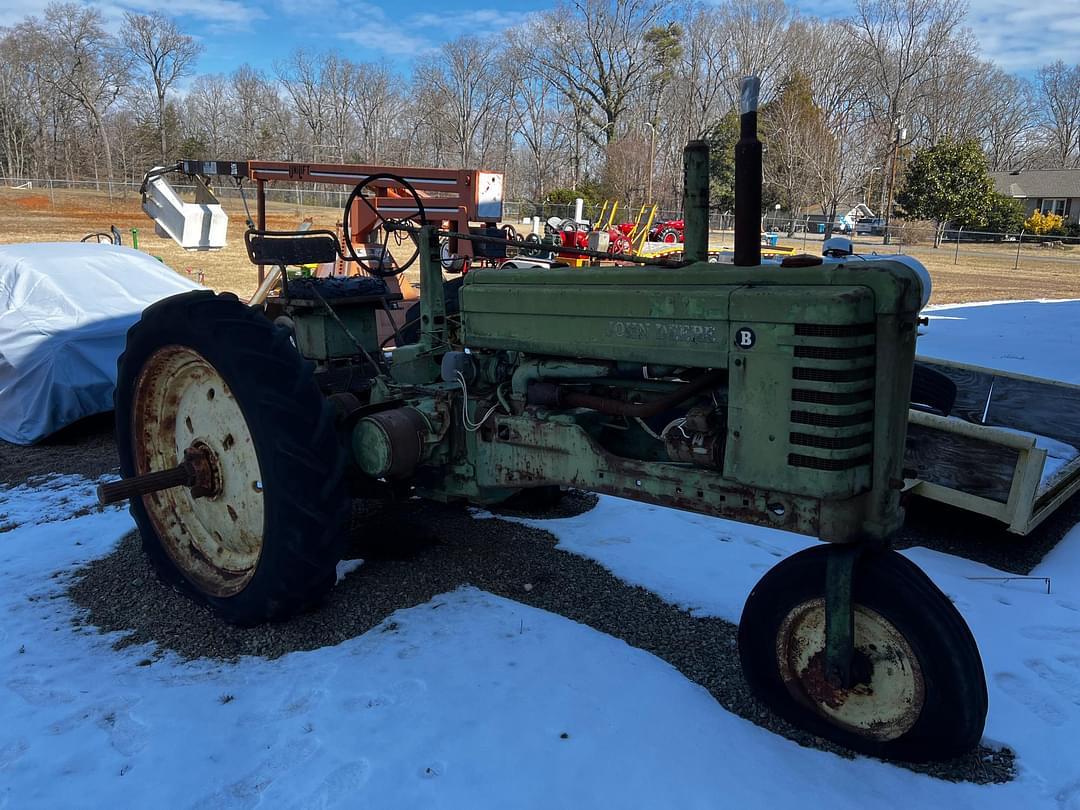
(100, 237)
(368, 263)
(535, 245)
(620, 244)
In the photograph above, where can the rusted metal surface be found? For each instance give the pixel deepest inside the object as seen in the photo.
(886, 692)
(213, 531)
(523, 452)
(197, 471)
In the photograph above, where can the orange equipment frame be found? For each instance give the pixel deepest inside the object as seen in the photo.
(457, 196)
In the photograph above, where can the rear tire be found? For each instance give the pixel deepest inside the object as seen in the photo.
(926, 699)
(286, 497)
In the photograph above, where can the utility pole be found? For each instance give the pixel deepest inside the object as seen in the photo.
(898, 133)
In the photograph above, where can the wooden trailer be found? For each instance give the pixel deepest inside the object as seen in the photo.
(1008, 450)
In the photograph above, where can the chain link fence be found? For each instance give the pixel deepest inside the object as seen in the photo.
(957, 245)
(1005, 249)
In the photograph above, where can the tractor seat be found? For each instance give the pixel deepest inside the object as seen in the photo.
(283, 248)
(313, 247)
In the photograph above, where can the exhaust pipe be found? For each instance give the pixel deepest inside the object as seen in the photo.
(748, 177)
(696, 201)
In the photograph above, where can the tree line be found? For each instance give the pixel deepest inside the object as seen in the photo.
(592, 98)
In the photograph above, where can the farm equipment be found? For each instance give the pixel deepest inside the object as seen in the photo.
(774, 398)
(669, 231)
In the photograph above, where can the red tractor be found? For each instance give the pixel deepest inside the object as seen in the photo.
(670, 231)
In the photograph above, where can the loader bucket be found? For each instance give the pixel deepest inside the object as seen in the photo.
(200, 225)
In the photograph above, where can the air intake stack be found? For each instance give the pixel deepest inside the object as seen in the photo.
(748, 177)
(696, 201)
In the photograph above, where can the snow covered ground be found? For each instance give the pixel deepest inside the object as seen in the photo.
(1037, 338)
(474, 701)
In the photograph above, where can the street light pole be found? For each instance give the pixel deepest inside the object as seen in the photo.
(652, 160)
(870, 185)
(898, 134)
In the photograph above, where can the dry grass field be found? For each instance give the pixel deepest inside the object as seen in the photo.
(983, 272)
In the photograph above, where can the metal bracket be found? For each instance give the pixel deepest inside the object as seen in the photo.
(839, 612)
(433, 328)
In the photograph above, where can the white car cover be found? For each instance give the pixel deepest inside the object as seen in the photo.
(65, 308)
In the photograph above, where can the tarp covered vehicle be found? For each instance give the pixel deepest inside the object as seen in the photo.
(65, 309)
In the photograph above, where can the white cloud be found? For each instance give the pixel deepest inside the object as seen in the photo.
(420, 33)
(478, 21)
(1022, 37)
(208, 16)
(389, 38)
(1018, 36)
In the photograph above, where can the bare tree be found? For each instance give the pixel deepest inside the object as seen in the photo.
(301, 76)
(537, 122)
(593, 52)
(1008, 122)
(75, 57)
(164, 53)
(955, 95)
(833, 160)
(756, 34)
(465, 74)
(696, 98)
(790, 126)
(207, 113)
(254, 128)
(16, 127)
(897, 41)
(1059, 103)
(375, 104)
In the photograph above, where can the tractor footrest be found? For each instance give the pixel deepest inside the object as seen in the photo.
(340, 290)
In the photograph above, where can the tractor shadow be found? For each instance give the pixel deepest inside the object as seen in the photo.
(415, 550)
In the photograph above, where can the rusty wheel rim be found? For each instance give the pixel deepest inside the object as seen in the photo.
(181, 400)
(889, 699)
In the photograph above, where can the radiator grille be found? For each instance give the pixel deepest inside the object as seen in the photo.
(829, 464)
(830, 442)
(832, 397)
(834, 352)
(830, 421)
(833, 330)
(832, 374)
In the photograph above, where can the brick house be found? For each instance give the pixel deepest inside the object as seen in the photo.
(1054, 191)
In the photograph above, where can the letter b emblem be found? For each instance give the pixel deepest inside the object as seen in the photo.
(745, 338)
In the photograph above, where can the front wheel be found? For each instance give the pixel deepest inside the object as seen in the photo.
(207, 373)
(920, 691)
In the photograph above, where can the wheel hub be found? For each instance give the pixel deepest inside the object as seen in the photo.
(184, 410)
(887, 692)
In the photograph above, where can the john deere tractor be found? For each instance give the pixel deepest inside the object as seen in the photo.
(770, 394)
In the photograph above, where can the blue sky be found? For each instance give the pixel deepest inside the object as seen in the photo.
(1019, 35)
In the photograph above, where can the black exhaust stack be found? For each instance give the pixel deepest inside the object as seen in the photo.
(748, 177)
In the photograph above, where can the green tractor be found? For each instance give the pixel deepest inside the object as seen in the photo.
(774, 395)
